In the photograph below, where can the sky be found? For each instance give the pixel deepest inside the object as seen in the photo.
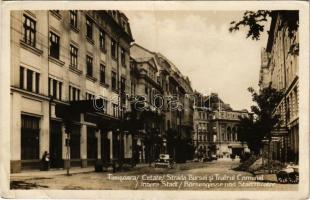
(200, 45)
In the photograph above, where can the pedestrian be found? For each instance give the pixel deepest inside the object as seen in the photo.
(45, 161)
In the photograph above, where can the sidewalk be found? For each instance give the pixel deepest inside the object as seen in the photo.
(53, 172)
(61, 171)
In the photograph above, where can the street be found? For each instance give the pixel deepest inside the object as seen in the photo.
(216, 175)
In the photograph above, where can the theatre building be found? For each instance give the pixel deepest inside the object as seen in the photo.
(60, 62)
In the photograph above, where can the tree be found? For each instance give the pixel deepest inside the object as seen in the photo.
(257, 126)
(256, 22)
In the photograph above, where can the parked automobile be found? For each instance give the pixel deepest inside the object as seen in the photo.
(164, 161)
(289, 174)
(213, 157)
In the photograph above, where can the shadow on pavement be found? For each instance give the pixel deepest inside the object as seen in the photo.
(22, 185)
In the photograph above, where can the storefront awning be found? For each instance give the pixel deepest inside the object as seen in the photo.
(76, 107)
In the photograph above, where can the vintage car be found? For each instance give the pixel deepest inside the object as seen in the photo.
(164, 161)
(289, 174)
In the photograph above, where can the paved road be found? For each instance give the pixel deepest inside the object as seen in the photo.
(217, 175)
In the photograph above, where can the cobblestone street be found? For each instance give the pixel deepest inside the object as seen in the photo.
(183, 176)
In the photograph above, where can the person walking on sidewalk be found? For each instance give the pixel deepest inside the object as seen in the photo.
(45, 161)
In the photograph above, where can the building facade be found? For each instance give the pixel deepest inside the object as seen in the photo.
(223, 128)
(201, 136)
(60, 59)
(147, 102)
(282, 66)
(162, 87)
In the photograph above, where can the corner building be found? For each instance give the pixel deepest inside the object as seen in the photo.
(65, 58)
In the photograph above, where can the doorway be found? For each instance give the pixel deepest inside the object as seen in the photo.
(105, 148)
(56, 145)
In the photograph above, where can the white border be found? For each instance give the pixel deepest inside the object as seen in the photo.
(158, 5)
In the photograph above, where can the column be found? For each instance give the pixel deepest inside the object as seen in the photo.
(15, 136)
(83, 145)
(51, 86)
(57, 90)
(98, 136)
(110, 136)
(44, 129)
(65, 149)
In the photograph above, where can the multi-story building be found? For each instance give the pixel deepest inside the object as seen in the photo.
(179, 110)
(164, 89)
(63, 59)
(202, 136)
(223, 128)
(147, 102)
(282, 66)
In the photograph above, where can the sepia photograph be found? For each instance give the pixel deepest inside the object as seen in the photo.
(156, 99)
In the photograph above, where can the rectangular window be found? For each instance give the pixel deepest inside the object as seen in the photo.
(123, 84)
(73, 56)
(60, 90)
(73, 18)
(113, 49)
(114, 86)
(89, 28)
(102, 73)
(102, 40)
(123, 56)
(54, 45)
(115, 110)
(37, 82)
(29, 31)
(123, 88)
(21, 77)
(29, 80)
(89, 64)
(54, 88)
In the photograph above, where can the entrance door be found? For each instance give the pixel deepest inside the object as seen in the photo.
(105, 148)
(55, 145)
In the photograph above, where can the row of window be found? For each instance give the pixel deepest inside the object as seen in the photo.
(29, 26)
(30, 81)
